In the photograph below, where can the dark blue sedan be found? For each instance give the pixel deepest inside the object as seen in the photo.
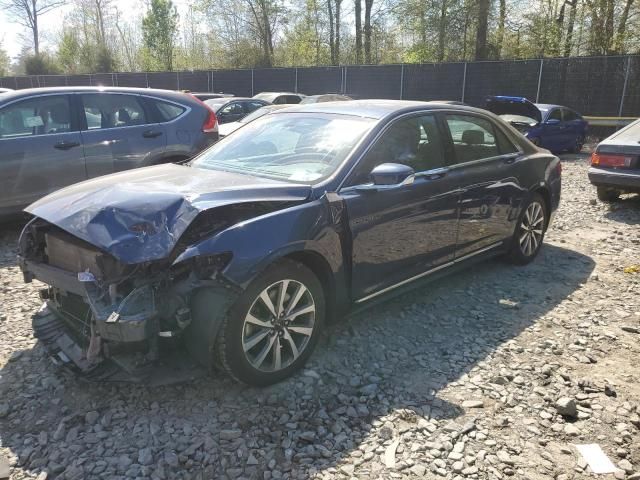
(554, 127)
(242, 256)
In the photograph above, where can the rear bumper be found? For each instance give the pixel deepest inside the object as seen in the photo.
(629, 181)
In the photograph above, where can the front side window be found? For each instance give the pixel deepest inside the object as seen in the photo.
(555, 114)
(415, 142)
(36, 116)
(473, 138)
(106, 110)
(303, 148)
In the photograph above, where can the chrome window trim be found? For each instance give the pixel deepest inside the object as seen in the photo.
(428, 272)
(433, 111)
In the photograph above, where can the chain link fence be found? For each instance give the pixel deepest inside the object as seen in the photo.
(602, 86)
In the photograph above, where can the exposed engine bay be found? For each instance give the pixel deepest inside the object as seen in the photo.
(98, 310)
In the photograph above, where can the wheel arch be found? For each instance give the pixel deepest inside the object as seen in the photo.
(320, 267)
(545, 193)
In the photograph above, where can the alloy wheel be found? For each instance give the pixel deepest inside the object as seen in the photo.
(278, 326)
(531, 229)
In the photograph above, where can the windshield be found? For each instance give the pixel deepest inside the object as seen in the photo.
(296, 147)
(256, 114)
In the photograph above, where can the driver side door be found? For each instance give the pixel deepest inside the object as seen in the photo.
(407, 230)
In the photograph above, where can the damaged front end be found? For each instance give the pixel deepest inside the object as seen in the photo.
(112, 321)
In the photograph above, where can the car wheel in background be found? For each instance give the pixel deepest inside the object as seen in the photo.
(529, 233)
(607, 194)
(273, 327)
(577, 147)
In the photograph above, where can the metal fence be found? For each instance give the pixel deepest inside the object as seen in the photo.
(605, 86)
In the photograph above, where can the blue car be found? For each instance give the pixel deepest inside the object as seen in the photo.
(554, 127)
(243, 255)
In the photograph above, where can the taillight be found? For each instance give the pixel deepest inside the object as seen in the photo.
(611, 160)
(210, 124)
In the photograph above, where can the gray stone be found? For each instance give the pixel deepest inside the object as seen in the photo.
(566, 407)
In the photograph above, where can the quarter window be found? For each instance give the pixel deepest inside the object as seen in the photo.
(168, 111)
(569, 115)
(415, 142)
(36, 116)
(104, 110)
(473, 138)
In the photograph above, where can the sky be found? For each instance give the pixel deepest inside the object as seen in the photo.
(13, 36)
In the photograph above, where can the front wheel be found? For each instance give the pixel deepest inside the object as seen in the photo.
(272, 329)
(529, 234)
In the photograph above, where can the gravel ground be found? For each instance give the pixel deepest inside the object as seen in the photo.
(493, 372)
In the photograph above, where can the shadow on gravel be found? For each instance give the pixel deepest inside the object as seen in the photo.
(374, 377)
(9, 233)
(626, 210)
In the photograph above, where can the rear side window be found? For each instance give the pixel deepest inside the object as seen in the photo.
(234, 108)
(36, 116)
(570, 115)
(106, 110)
(474, 138)
(168, 111)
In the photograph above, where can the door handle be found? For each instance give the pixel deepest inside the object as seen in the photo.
(66, 145)
(509, 160)
(151, 134)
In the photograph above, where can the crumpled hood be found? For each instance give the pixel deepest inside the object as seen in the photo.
(504, 105)
(139, 215)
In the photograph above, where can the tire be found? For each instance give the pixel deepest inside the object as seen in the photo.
(607, 194)
(577, 147)
(258, 348)
(529, 234)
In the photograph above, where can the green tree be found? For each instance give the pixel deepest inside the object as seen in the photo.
(159, 30)
(5, 63)
(69, 52)
(41, 64)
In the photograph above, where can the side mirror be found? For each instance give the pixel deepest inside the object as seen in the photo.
(391, 174)
(552, 121)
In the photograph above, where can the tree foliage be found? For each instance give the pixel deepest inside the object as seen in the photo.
(159, 30)
(97, 37)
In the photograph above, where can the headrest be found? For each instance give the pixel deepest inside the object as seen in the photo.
(473, 137)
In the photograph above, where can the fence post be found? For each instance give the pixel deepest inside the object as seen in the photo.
(539, 81)
(624, 85)
(464, 81)
(252, 92)
(401, 80)
(213, 82)
(344, 80)
(296, 86)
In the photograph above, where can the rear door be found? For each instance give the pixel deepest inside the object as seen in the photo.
(484, 166)
(120, 132)
(574, 125)
(40, 150)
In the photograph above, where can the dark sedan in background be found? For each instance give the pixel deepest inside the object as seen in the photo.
(615, 164)
(228, 128)
(554, 127)
(233, 109)
(298, 217)
(54, 137)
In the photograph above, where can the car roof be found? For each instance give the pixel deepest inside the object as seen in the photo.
(547, 106)
(228, 99)
(376, 109)
(28, 92)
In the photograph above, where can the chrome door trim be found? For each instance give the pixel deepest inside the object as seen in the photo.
(428, 272)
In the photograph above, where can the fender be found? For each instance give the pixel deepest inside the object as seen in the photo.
(318, 226)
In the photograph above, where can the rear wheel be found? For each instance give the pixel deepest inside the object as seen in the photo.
(579, 143)
(529, 234)
(607, 194)
(272, 329)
